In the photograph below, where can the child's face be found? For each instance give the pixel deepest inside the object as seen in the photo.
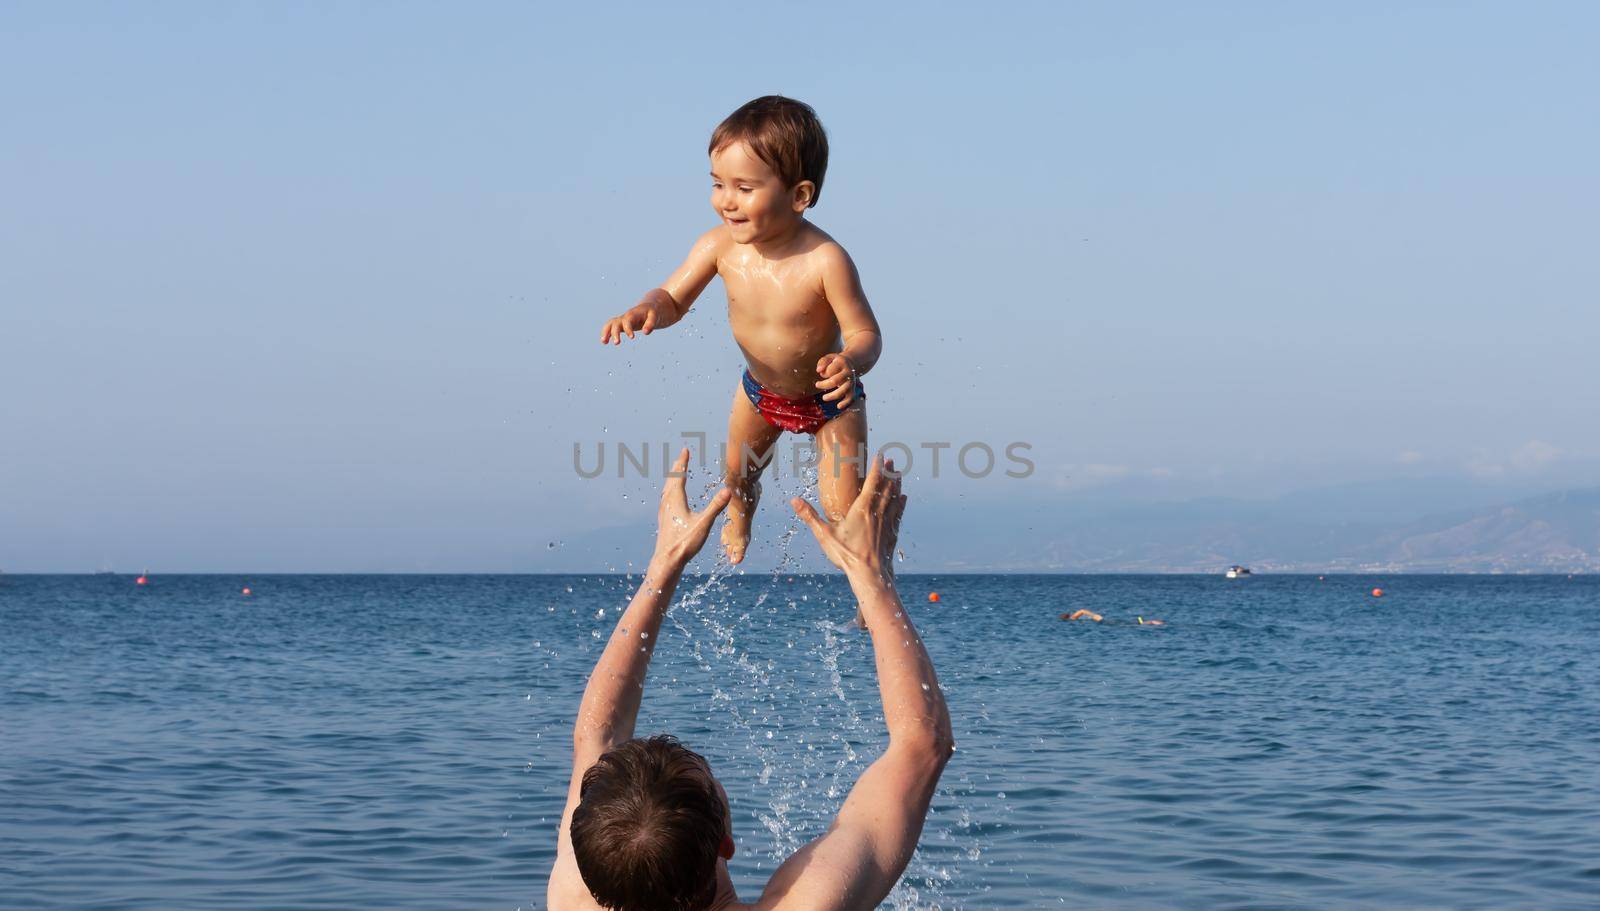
(750, 197)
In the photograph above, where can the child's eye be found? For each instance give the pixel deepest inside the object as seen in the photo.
(745, 189)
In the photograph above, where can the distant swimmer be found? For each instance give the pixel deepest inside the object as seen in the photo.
(1081, 614)
(1151, 622)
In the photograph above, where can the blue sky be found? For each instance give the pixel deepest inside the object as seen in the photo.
(313, 287)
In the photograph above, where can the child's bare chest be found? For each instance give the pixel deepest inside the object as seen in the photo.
(762, 294)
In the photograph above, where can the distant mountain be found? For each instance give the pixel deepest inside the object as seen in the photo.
(1558, 532)
(1299, 532)
(1327, 530)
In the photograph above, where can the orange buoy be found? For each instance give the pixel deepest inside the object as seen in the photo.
(1377, 593)
(245, 592)
(933, 596)
(140, 581)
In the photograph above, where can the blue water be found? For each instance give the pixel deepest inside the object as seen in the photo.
(401, 741)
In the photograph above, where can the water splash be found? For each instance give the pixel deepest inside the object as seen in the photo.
(803, 768)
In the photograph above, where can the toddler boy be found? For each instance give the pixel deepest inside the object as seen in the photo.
(795, 305)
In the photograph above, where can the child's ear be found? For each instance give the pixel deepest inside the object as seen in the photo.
(804, 192)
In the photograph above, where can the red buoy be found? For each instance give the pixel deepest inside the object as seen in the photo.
(245, 592)
(933, 596)
(1377, 593)
(140, 581)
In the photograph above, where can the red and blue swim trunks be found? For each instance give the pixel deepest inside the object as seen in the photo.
(803, 415)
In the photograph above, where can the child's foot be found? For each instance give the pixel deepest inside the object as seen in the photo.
(736, 530)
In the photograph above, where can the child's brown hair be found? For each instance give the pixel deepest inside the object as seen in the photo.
(782, 132)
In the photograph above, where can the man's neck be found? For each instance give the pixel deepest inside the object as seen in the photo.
(726, 898)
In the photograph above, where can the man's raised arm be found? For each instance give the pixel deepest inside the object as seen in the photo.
(610, 703)
(857, 862)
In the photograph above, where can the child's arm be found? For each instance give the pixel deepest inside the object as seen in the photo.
(663, 306)
(858, 328)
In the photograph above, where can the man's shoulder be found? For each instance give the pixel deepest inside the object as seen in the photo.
(566, 891)
(561, 897)
(822, 876)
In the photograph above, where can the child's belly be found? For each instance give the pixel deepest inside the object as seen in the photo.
(785, 361)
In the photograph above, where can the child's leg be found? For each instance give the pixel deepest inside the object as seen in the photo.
(750, 440)
(841, 464)
(841, 461)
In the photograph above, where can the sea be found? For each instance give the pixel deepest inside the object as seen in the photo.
(403, 741)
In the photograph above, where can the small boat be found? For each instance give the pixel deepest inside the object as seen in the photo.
(1237, 572)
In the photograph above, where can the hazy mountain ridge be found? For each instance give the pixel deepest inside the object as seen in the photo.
(1553, 533)
(1558, 532)
(1323, 530)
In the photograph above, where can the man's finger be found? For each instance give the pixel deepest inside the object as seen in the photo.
(809, 516)
(718, 502)
(887, 489)
(676, 478)
(869, 487)
(896, 510)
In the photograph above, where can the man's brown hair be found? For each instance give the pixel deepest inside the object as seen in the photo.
(647, 827)
(782, 132)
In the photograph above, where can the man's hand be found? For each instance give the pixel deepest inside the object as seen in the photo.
(680, 533)
(863, 541)
(838, 378)
(656, 309)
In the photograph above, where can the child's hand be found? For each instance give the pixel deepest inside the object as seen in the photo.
(643, 317)
(839, 378)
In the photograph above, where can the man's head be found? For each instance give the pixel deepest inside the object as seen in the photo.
(649, 827)
(768, 159)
